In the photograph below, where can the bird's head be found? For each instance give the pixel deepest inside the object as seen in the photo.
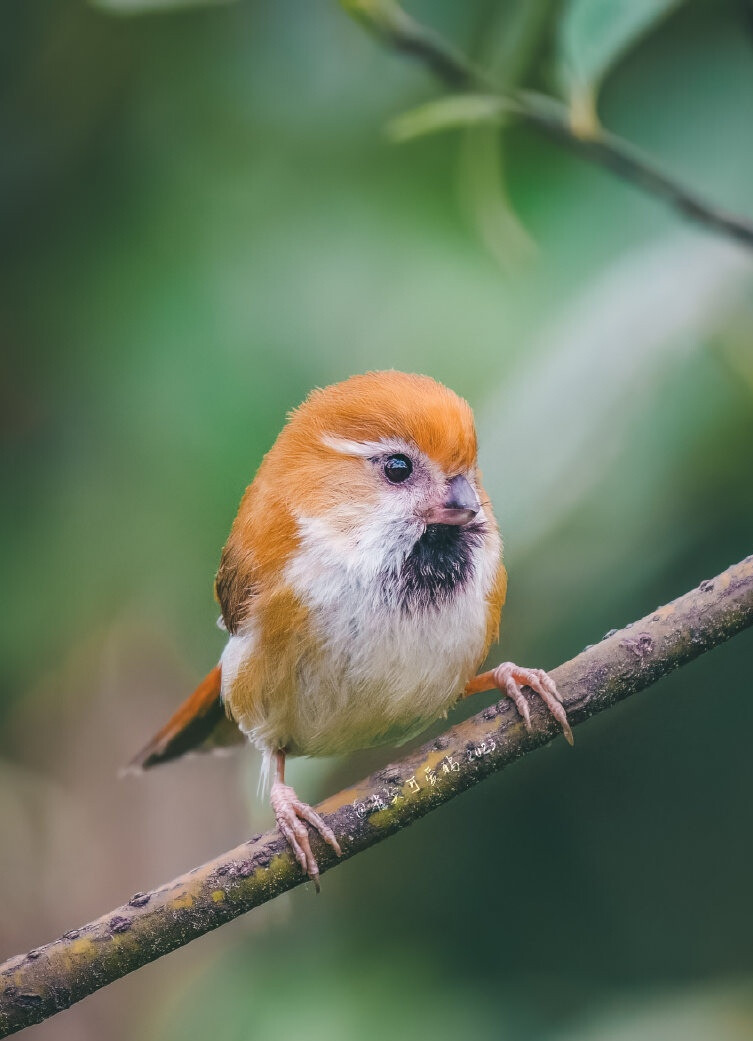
(380, 468)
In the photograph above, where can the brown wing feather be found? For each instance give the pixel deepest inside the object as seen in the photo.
(199, 725)
(234, 584)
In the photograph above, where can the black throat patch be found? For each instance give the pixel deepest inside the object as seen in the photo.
(440, 563)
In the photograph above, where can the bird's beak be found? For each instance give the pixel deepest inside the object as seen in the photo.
(459, 507)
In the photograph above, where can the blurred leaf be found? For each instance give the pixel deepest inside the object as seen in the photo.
(484, 193)
(448, 113)
(592, 373)
(722, 1011)
(734, 346)
(378, 14)
(512, 36)
(145, 6)
(592, 36)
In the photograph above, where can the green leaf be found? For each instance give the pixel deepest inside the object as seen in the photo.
(594, 34)
(448, 113)
(483, 191)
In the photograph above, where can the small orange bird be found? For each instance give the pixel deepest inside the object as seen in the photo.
(361, 587)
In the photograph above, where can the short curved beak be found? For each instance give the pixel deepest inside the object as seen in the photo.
(459, 507)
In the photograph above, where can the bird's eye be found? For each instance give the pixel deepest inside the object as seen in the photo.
(398, 468)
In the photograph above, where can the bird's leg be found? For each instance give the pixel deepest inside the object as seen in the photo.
(510, 679)
(292, 815)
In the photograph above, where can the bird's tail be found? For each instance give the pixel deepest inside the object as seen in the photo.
(199, 725)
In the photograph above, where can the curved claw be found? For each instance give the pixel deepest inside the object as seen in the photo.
(292, 815)
(510, 678)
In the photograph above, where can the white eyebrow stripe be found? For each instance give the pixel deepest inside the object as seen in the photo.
(362, 449)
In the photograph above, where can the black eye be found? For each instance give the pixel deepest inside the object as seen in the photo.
(398, 468)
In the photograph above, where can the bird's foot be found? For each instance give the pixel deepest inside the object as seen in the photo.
(292, 815)
(510, 679)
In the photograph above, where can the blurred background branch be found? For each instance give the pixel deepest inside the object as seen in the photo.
(51, 978)
(576, 126)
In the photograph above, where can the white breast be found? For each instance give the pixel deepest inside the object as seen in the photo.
(382, 672)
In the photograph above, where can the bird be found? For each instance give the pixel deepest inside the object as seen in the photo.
(360, 588)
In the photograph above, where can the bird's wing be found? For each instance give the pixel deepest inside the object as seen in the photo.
(235, 583)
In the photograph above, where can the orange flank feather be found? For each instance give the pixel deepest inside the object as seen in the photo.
(199, 725)
(495, 603)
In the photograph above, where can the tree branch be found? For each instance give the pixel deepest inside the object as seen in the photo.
(393, 27)
(36, 985)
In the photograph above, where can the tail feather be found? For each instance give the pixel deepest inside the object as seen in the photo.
(199, 725)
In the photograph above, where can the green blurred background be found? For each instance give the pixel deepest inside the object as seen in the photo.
(201, 219)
